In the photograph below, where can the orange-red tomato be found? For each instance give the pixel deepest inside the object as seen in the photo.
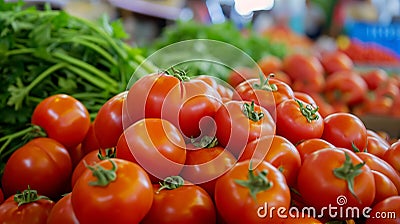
(309, 146)
(238, 75)
(374, 77)
(62, 212)
(305, 97)
(90, 141)
(334, 61)
(385, 212)
(384, 187)
(270, 64)
(392, 156)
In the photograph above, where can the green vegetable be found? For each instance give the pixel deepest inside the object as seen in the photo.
(45, 52)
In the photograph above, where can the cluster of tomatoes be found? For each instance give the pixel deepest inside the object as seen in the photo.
(174, 149)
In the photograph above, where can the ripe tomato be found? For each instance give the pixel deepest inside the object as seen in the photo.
(182, 101)
(223, 88)
(62, 212)
(346, 87)
(385, 212)
(175, 201)
(311, 145)
(336, 174)
(1, 196)
(267, 93)
(239, 122)
(375, 163)
(157, 146)
(345, 130)
(298, 121)
(63, 118)
(107, 125)
(206, 160)
(112, 191)
(270, 64)
(43, 164)
(305, 97)
(278, 151)
(384, 187)
(251, 193)
(238, 75)
(334, 61)
(90, 141)
(26, 207)
(392, 156)
(376, 146)
(76, 154)
(375, 77)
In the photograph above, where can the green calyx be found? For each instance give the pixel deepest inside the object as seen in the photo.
(179, 74)
(308, 111)
(28, 196)
(108, 154)
(205, 142)
(255, 183)
(171, 183)
(103, 176)
(264, 83)
(348, 172)
(249, 111)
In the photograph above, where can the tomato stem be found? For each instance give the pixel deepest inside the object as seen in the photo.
(308, 111)
(264, 83)
(255, 183)
(348, 172)
(205, 142)
(104, 177)
(108, 153)
(171, 183)
(250, 112)
(179, 74)
(28, 196)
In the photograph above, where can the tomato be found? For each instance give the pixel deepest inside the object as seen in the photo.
(43, 164)
(239, 122)
(90, 142)
(336, 61)
(107, 125)
(384, 187)
(26, 207)
(311, 145)
(175, 201)
(345, 130)
(63, 118)
(267, 93)
(376, 146)
(346, 87)
(238, 75)
(377, 105)
(91, 158)
(298, 121)
(270, 64)
(278, 151)
(335, 176)
(375, 163)
(324, 108)
(250, 193)
(112, 191)
(392, 156)
(62, 212)
(182, 101)
(374, 77)
(157, 146)
(223, 88)
(76, 154)
(1, 196)
(385, 212)
(206, 160)
(282, 76)
(305, 97)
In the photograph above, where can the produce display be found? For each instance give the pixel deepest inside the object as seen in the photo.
(281, 141)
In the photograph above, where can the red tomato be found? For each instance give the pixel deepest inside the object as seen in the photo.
(336, 61)
(270, 64)
(178, 202)
(206, 162)
(107, 125)
(392, 156)
(223, 88)
(282, 76)
(264, 92)
(245, 191)
(43, 164)
(112, 191)
(63, 118)
(384, 187)
(305, 97)
(25, 207)
(278, 151)
(90, 142)
(385, 212)
(76, 155)
(1, 196)
(345, 130)
(239, 122)
(238, 75)
(375, 163)
(338, 177)
(298, 121)
(377, 105)
(376, 146)
(157, 146)
(182, 102)
(62, 212)
(324, 108)
(311, 145)
(346, 87)
(374, 77)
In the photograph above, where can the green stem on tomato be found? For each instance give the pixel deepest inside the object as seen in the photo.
(249, 112)
(205, 142)
(171, 183)
(264, 83)
(28, 196)
(104, 177)
(308, 111)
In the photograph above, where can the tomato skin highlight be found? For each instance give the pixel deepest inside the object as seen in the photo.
(62, 212)
(63, 118)
(43, 164)
(125, 200)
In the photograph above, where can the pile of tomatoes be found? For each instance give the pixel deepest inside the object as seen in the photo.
(174, 149)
